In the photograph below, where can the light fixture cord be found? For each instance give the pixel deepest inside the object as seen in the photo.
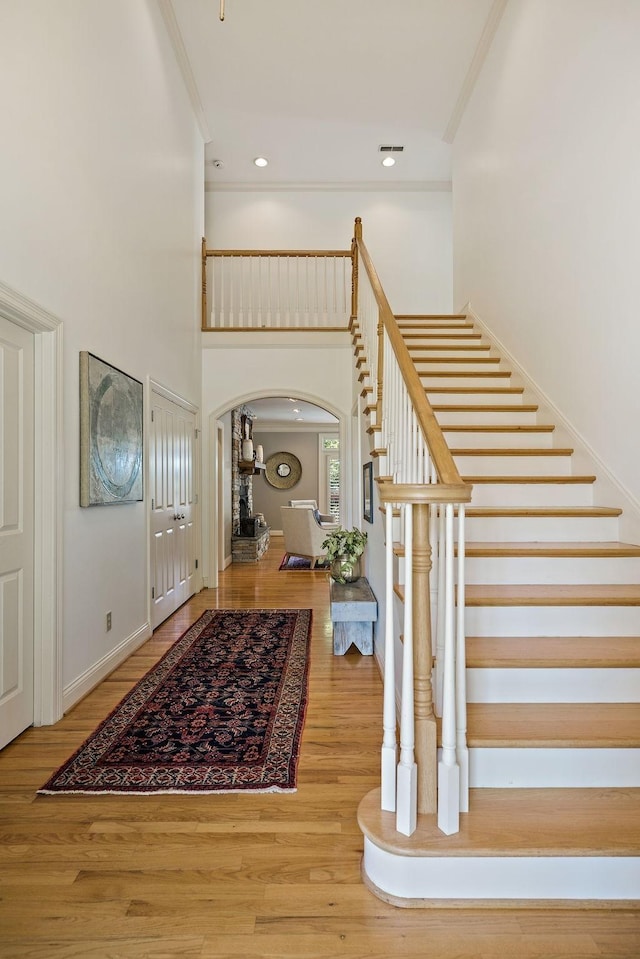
(222, 9)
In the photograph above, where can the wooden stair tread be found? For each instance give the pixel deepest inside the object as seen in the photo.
(504, 374)
(554, 725)
(512, 451)
(455, 359)
(483, 408)
(431, 316)
(546, 594)
(496, 428)
(488, 478)
(478, 390)
(543, 511)
(558, 652)
(410, 334)
(481, 347)
(519, 822)
(576, 550)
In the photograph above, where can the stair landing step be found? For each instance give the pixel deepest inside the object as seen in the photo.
(519, 822)
(557, 652)
(554, 725)
(549, 595)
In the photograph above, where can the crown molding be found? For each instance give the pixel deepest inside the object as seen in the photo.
(345, 186)
(184, 63)
(484, 45)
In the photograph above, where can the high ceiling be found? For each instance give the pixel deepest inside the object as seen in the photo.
(317, 86)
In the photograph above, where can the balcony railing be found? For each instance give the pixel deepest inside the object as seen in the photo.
(276, 289)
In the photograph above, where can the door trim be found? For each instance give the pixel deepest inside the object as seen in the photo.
(48, 499)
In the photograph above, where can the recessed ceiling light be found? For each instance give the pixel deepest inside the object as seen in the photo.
(299, 419)
(295, 410)
(261, 161)
(389, 161)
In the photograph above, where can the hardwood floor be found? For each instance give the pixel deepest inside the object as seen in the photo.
(238, 875)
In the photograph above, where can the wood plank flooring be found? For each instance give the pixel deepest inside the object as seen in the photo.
(204, 877)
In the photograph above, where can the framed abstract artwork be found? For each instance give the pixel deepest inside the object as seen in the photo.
(367, 492)
(110, 434)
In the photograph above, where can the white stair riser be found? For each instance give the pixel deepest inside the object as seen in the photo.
(521, 768)
(442, 338)
(459, 352)
(507, 495)
(485, 417)
(553, 685)
(546, 529)
(547, 569)
(454, 379)
(424, 367)
(553, 621)
(495, 877)
(505, 465)
(478, 399)
(488, 440)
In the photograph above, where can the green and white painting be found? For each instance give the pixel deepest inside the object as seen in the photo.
(110, 434)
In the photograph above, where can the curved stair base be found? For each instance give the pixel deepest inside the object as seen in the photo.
(533, 845)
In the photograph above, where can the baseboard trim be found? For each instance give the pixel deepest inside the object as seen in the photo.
(88, 680)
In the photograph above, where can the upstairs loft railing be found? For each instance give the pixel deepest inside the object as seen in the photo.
(423, 494)
(276, 289)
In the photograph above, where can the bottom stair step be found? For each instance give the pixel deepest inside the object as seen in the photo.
(518, 844)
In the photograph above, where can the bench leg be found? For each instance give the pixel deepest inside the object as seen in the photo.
(360, 634)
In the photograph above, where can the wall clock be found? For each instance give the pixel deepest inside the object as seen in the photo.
(282, 470)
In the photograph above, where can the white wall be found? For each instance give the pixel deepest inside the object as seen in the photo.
(407, 234)
(101, 204)
(547, 211)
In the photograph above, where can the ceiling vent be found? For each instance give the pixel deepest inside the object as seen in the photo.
(388, 149)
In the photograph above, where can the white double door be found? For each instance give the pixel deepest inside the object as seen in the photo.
(16, 529)
(173, 499)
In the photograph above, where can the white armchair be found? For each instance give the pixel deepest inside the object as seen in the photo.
(303, 535)
(326, 520)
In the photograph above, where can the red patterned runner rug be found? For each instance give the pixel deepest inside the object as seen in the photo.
(222, 711)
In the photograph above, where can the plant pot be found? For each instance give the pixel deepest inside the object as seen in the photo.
(345, 570)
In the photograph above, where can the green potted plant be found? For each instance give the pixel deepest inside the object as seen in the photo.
(344, 549)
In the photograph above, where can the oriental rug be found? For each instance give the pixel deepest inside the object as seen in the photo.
(299, 562)
(222, 711)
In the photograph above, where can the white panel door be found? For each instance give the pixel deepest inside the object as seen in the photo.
(16, 530)
(171, 456)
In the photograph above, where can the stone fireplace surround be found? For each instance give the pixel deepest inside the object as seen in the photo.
(244, 548)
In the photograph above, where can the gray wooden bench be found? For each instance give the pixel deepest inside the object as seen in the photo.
(353, 612)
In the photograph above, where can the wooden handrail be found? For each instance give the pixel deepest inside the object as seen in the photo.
(442, 459)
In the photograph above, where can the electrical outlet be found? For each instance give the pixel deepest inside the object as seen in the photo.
(108, 620)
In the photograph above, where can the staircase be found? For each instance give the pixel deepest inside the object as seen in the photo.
(553, 656)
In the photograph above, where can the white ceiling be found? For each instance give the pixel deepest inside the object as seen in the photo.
(279, 413)
(318, 85)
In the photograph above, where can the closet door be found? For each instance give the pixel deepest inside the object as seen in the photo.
(171, 486)
(16, 529)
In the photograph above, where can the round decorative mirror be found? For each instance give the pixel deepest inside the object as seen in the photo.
(282, 470)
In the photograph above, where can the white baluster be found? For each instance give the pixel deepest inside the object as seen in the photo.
(440, 615)
(389, 756)
(462, 751)
(407, 811)
(448, 771)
